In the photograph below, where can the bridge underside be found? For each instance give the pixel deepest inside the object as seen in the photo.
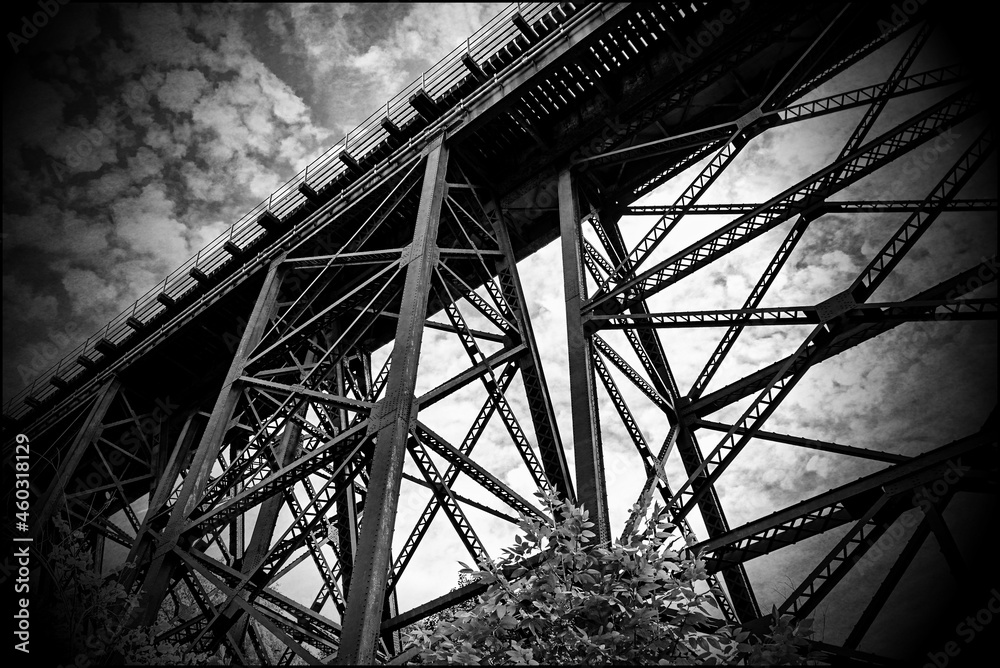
(272, 418)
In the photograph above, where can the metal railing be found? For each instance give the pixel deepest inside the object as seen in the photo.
(487, 43)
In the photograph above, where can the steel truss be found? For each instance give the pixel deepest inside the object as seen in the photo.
(300, 434)
(289, 460)
(625, 280)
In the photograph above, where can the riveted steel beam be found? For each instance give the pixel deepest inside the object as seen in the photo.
(586, 431)
(391, 422)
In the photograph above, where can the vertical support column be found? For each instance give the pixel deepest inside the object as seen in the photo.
(159, 493)
(392, 639)
(390, 420)
(89, 431)
(97, 539)
(237, 533)
(543, 415)
(157, 455)
(154, 587)
(165, 479)
(586, 431)
(267, 519)
(347, 534)
(347, 518)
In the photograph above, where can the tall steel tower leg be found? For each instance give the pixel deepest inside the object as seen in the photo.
(90, 430)
(543, 414)
(347, 517)
(390, 422)
(586, 430)
(144, 544)
(267, 518)
(154, 587)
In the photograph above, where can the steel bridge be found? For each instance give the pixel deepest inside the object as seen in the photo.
(244, 387)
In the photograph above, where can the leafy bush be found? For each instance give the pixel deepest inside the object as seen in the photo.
(632, 602)
(85, 615)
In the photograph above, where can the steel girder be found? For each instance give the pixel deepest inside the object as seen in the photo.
(626, 280)
(297, 426)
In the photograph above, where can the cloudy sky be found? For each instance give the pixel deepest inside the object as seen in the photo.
(135, 134)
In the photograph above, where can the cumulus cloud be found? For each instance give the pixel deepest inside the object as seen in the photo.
(88, 291)
(181, 89)
(116, 174)
(356, 58)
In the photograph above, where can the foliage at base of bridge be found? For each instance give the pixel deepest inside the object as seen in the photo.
(84, 614)
(636, 601)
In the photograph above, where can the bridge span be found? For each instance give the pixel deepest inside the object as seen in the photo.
(241, 402)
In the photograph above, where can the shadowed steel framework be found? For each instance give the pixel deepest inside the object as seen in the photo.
(244, 387)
